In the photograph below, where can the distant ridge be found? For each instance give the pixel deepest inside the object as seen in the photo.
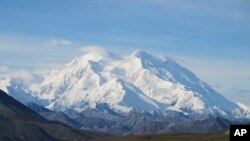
(19, 123)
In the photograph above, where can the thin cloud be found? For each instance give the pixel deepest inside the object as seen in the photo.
(3, 69)
(45, 69)
(221, 8)
(59, 42)
(23, 74)
(92, 48)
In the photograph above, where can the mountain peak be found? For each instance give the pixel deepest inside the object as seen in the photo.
(96, 54)
(140, 53)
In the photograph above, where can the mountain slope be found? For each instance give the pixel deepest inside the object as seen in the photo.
(19, 123)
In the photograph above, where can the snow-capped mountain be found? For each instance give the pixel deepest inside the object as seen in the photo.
(137, 82)
(136, 93)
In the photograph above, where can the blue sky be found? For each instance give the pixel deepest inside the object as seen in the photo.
(211, 38)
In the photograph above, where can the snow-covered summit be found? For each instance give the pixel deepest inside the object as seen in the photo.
(137, 82)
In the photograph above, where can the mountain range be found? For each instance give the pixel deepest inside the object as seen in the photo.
(120, 94)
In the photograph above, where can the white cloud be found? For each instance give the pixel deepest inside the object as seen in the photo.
(93, 48)
(29, 76)
(25, 75)
(59, 42)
